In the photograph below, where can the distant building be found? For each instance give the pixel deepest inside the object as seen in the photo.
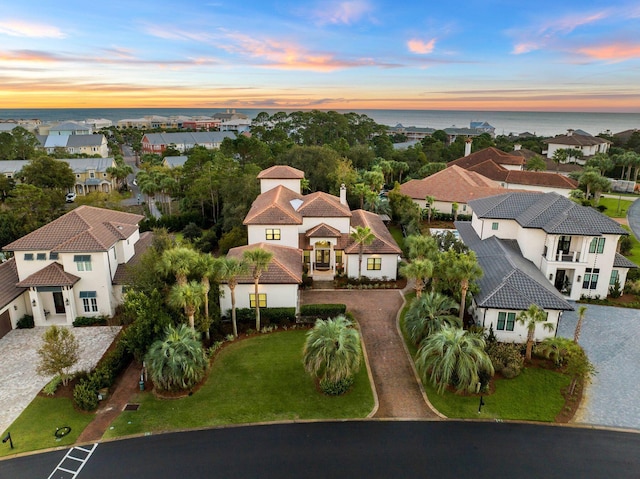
(578, 140)
(89, 144)
(183, 141)
(174, 161)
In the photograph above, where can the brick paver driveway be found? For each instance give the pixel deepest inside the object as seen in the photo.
(399, 394)
(19, 382)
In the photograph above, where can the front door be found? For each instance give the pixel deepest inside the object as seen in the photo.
(560, 279)
(58, 302)
(323, 258)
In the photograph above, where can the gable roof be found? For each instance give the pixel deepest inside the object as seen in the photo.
(285, 266)
(452, 184)
(321, 204)
(323, 230)
(122, 275)
(496, 172)
(281, 172)
(83, 229)
(550, 212)
(52, 275)
(383, 242)
(509, 280)
(576, 138)
(274, 207)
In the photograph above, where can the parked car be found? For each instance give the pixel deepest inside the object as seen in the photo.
(71, 197)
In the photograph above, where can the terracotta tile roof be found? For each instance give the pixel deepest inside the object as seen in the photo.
(323, 230)
(122, 273)
(275, 207)
(321, 204)
(284, 268)
(491, 153)
(85, 228)
(453, 184)
(281, 172)
(8, 281)
(52, 275)
(491, 170)
(562, 167)
(525, 178)
(383, 242)
(575, 139)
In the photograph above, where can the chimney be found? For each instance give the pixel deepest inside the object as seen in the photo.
(569, 132)
(343, 194)
(517, 147)
(467, 146)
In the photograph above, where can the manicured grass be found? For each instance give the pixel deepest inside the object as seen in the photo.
(634, 254)
(35, 427)
(252, 380)
(612, 207)
(535, 395)
(396, 232)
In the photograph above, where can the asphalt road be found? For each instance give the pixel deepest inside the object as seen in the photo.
(362, 449)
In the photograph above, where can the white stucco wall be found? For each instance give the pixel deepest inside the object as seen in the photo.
(489, 317)
(278, 295)
(507, 229)
(388, 269)
(267, 184)
(542, 189)
(288, 235)
(340, 223)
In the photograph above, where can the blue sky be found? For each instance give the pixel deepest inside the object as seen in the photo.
(465, 55)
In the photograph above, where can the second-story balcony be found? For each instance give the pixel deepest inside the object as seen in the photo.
(567, 257)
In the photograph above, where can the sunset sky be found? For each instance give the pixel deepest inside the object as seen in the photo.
(360, 54)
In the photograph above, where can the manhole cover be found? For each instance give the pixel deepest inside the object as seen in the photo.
(131, 407)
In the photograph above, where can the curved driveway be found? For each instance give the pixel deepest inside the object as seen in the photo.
(399, 393)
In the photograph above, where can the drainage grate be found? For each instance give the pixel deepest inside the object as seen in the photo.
(131, 407)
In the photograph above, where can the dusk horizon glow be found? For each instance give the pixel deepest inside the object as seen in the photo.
(335, 55)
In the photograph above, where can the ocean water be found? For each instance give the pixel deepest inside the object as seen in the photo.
(505, 122)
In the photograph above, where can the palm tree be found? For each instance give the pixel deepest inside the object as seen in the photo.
(362, 236)
(421, 247)
(428, 314)
(180, 261)
(189, 296)
(530, 318)
(208, 268)
(332, 352)
(259, 259)
(454, 210)
(453, 357)
(582, 310)
(178, 362)
(230, 269)
(429, 200)
(419, 270)
(120, 171)
(462, 268)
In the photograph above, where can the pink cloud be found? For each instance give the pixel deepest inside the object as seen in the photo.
(17, 28)
(345, 13)
(614, 52)
(421, 47)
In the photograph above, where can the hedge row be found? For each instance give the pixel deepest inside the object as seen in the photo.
(323, 310)
(267, 315)
(82, 321)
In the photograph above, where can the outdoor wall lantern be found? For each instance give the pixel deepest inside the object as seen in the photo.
(66, 301)
(15, 307)
(579, 278)
(33, 303)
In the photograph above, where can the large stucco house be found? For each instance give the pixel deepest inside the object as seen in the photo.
(73, 266)
(314, 228)
(539, 249)
(581, 141)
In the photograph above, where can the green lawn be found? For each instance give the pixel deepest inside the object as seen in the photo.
(35, 427)
(634, 254)
(615, 208)
(253, 380)
(396, 232)
(534, 395)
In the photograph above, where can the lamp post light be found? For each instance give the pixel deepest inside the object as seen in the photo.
(8, 438)
(481, 404)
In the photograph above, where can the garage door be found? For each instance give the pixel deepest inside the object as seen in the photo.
(5, 323)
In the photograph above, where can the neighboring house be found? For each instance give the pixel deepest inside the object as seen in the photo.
(90, 173)
(278, 286)
(174, 161)
(68, 128)
(95, 144)
(184, 141)
(310, 231)
(238, 125)
(203, 123)
(153, 122)
(539, 249)
(577, 140)
(451, 185)
(507, 171)
(413, 133)
(73, 266)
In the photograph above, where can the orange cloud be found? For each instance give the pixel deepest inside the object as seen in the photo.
(421, 47)
(615, 52)
(17, 28)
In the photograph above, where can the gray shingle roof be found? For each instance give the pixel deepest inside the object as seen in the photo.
(510, 281)
(550, 212)
(622, 262)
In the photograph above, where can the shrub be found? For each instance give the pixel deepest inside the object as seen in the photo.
(267, 315)
(52, 386)
(323, 310)
(506, 358)
(25, 322)
(615, 291)
(83, 321)
(85, 395)
(336, 388)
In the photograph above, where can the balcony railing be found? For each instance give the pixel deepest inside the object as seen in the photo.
(570, 257)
